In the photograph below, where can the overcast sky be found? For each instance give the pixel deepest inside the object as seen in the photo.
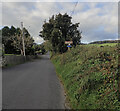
(98, 20)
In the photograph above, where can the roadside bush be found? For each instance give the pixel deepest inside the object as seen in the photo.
(90, 76)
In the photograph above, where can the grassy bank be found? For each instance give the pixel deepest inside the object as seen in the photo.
(90, 76)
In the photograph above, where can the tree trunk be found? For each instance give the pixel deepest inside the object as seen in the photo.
(21, 51)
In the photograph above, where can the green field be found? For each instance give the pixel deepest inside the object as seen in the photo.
(105, 44)
(89, 74)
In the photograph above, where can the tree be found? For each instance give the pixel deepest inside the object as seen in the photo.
(39, 48)
(59, 29)
(17, 41)
(6, 39)
(12, 40)
(0, 38)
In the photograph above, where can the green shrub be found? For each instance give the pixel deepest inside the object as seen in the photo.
(89, 74)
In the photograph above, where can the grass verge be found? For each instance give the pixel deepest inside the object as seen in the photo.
(90, 76)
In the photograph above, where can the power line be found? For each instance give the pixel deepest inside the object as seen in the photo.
(74, 8)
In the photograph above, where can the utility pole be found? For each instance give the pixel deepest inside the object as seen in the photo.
(23, 39)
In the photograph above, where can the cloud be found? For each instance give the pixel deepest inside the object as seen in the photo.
(32, 14)
(103, 18)
(38, 40)
(60, 0)
(98, 21)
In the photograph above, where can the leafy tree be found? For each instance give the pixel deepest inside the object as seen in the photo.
(39, 49)
(0, 37)
(59, 29)
(28, 45)
(12, 40)
(48, 46)
(6, 39)
(17, 41)
(12, 31)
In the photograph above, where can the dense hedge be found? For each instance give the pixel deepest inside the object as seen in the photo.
(90, 76)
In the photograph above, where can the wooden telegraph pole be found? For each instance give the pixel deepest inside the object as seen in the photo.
(23, 39)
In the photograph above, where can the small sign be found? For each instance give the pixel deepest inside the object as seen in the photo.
(68, 42)
(69, 46)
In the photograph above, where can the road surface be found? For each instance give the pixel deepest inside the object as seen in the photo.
(32, 85)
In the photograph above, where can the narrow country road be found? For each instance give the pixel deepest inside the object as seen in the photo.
(32, 85)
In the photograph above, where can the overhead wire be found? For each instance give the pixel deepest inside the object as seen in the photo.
(72, 12)
(74, 8)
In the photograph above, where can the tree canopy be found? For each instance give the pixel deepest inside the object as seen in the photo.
(12, 40)
(59, 29)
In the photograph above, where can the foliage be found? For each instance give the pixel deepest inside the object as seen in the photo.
(12, 40)
(105, 44)
(42, 49)
(90, 76)
(39, 49)
(6, 40)
(59, 29)
(48, 46)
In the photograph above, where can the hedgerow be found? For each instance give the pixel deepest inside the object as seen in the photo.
(90, 76)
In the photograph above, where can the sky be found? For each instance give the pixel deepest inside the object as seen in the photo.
(98, 20)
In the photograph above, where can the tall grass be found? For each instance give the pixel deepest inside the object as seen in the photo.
(90, 76)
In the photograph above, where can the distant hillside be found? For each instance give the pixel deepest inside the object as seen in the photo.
(106, 41)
